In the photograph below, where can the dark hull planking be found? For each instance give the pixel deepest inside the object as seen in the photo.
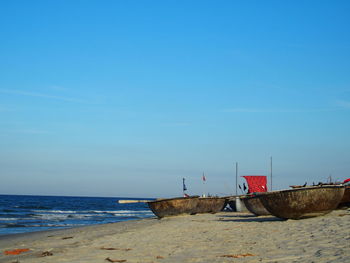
(210, 204)
(345, 201)
(255, 206)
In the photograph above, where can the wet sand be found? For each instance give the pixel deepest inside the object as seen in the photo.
(222, 237)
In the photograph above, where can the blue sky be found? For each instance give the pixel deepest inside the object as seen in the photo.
(125, 98)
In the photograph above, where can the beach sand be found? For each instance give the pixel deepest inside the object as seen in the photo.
(222, 237)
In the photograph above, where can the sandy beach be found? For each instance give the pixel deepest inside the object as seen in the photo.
(222, 237)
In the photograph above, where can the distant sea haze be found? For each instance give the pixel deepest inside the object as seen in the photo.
(22, 214)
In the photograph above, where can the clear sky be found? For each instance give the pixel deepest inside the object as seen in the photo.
(125, 98)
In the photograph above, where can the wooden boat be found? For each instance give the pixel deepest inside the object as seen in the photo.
(345, 201)
(303, 202)
(174, 206)
(211, 204)
(254, 205)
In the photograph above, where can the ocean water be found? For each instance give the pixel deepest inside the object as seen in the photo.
(21, 214)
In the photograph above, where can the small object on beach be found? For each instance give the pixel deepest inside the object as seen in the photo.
(159, 257)
(237, 255)
(115, 260)
(114, 248)
(16, 251)
(67, 237)
(46, 254)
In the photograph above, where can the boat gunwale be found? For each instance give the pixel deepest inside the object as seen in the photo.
(171, 199)
(298, 189)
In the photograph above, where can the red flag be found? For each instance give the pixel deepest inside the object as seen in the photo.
(346, 180)
(256, 183)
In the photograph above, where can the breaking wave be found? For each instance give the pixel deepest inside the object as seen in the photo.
(34, 213)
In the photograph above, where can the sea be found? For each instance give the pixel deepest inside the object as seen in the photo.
(24, 213)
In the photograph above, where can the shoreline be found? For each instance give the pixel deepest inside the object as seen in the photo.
(23, 235)
(5, 239)
(221, 237)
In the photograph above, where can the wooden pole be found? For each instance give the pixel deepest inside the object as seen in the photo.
(203, 185)
(271, 173)
(236, 178)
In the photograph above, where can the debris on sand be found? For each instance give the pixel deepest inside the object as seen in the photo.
(16, 251)
(115, 260)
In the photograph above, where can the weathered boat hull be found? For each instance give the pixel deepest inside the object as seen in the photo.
(255, 206)
(210, 204)
(174, 206)
(302, 202)
(345, 201)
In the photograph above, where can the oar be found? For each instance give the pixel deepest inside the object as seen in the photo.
(133, 201)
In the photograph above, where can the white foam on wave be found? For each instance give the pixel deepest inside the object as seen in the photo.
(91, 211)
(56, 225)
(55, 211)
(126, 213)
(51, 216)
(63, 211)
(62, 215)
